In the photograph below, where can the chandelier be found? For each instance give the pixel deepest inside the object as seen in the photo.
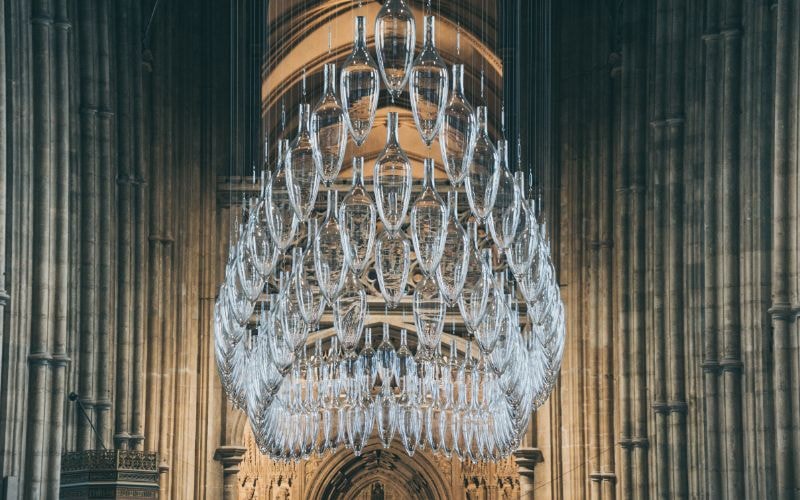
(484, 264)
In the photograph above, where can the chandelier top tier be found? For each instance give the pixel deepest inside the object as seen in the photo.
(305, 341)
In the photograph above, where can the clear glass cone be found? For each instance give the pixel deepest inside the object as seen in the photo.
(291, 315)
(357, 219)
(452, 269)
(349, 311)
(392, 179)
(458, 130)
(477, 284)
(387, 359)
(525, 243)
(330, 257)
(505, 214)
(428, 86)
(281, 347)
(392, 265)
(302, 168)
(429, 310)
(482, 174)
(312, 301)
(281, 217)
(428, 224)
(261, 244)
(329, 129)
(360, 86)
(395, 37)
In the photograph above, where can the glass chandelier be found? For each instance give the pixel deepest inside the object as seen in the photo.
(487, 261)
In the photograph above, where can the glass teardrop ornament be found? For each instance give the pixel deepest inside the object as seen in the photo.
(280, 346)
(392, 265)
(428, 86)
(262, 245)
(452, 269)
(482, 173)
(428, 224)
(392, 179)
(329, 129)
(312, 301)
(302, 168)
(429, 310)
(357, 219)
(395, 37)
(246, 263)
(360, 86)
(330, 258)
(458, 130)
(349, 311)
(505, 214)
(281, 217)
(524, 246)
(477, 284)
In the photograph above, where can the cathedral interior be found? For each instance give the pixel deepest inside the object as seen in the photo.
(662, 140)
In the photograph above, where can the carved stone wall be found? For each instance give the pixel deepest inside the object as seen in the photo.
(262, 478)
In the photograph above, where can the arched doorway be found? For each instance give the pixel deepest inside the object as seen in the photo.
(388, 472)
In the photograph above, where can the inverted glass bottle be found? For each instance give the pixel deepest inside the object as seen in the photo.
(452, 269)
(458, 130)
(302, 168)
(360, 86)
(482, 173)
(281, 218)
(428, 86)
(329, 129)
(395, 36)
(505, 214)
(428, 223)
(392, 179)
(357, 219)
(330, 257)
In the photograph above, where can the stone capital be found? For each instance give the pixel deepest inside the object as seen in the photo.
(526, 459)
(230, 457)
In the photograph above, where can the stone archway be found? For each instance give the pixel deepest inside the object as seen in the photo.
(345, 476)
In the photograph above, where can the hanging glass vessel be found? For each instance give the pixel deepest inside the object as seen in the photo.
(392, 265)
(452, 269)
(360, 86)
(428, 223)
(482, 174)
(429, 310)
(329, 129)
(330, 258)
(349, 311)
(357, 219)
(504, 216)
(458, 130)
(387, 361)
(281, 218)
(525, 242)
(261, 244)
(428, 86)
(246, 264)
(302, 168)
(477, 284)
(293, 323)
(395, 36)
(312, 301)
(392, 179)
(281, 348)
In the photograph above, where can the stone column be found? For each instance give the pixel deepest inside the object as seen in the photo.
(230, 457)
(526, 459)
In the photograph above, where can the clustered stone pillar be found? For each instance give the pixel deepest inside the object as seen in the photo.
(230, 457)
